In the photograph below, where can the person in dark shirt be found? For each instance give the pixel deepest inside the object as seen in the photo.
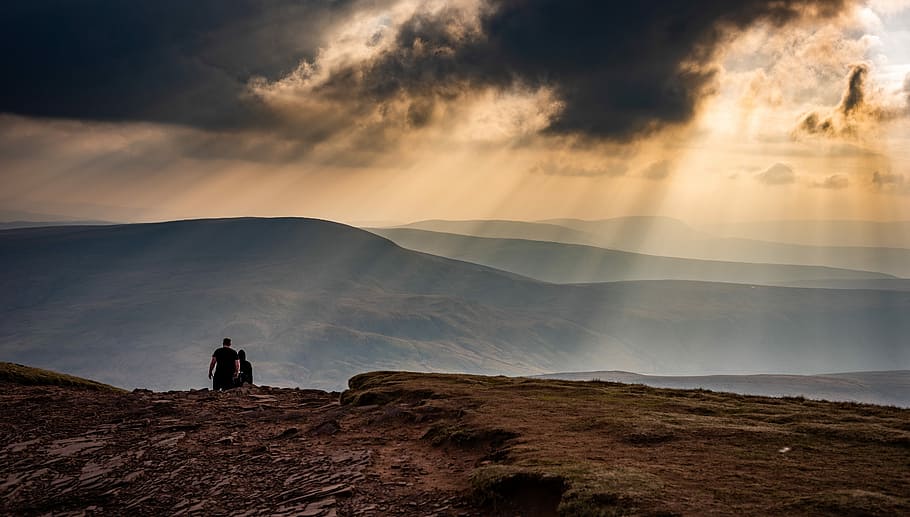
(246, 369)
(226, 365)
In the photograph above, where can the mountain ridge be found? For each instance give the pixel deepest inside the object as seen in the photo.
(315, 302)
(575, 263)
(889, 260)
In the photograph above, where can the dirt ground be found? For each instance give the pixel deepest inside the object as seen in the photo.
(446, 445)
(250, 451)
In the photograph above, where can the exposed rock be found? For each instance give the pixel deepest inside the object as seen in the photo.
(287, 433)
(255, 451)
(516, 446)
(327, 428)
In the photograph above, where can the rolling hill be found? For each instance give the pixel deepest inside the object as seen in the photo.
(635, 232)
(672, 238)
(21, 375)
(885, 388)
(888, 234)
(22, 219)
(35, 224)
(571, 263)
(843, 233)
(314, 302)
(890, 284)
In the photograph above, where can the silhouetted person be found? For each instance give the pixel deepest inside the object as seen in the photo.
(226, 365)
(246, 369)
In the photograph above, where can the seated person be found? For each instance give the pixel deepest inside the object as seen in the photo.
(246, 369)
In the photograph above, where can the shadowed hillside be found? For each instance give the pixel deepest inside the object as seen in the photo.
(315, 302)
(571, 263)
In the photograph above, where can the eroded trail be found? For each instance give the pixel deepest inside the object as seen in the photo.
(251, 451)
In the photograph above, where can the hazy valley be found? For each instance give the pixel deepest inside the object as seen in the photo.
(673, 238)
(315, 302)
(572, 263)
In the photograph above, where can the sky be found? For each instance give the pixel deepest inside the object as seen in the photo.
(388, 111)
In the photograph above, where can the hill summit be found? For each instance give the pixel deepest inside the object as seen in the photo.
(448, 445)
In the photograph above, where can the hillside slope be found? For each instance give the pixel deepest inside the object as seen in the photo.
(28, 376)
(671, 238)
(314, 302)
(572, 263)
(887, 388)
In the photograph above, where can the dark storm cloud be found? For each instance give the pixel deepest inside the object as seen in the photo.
(855, 92)
(841, 120)
(620, 69)
(180, 61)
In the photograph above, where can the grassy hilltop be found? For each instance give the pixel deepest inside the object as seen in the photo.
(13, 373)
(595, 448)
(447, 445)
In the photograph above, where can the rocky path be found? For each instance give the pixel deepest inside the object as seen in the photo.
(252, 451)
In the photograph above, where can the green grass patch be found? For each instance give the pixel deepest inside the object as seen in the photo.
(28, 376)
(594, 449)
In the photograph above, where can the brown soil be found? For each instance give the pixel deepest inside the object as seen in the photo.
(251, 451)
(447, 445)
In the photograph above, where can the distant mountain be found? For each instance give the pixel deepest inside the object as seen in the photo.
(635, 232)
(572, 263)
(22, 219)
(16, 210)
(539, 231)
(667, 237)
(23, 215)
(899, 284)
(891, 388)
(9, 225)
(893, 261)
(313, 302)
(882, 234)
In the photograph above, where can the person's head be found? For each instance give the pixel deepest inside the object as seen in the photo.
(241, 355)
(226, 341)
